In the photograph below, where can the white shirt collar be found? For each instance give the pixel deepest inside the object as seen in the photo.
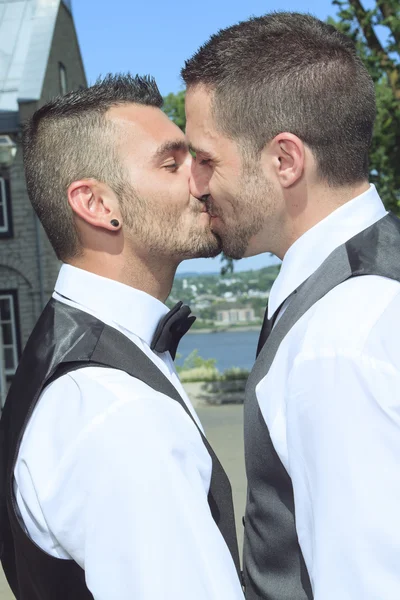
(313, 247)
(112, 302)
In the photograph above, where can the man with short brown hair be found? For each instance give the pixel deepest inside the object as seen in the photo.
(280, 113)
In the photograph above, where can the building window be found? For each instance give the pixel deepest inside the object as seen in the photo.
(63, 78)
(10, 330)
(5, 208)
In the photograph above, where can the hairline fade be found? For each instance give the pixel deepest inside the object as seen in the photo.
(70, 138)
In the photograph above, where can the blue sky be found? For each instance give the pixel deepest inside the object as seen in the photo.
(155, 37)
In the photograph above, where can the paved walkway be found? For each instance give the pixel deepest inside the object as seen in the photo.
(223, 425)
(224, 429)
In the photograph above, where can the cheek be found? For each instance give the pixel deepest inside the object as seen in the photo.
(171, 188)
(180, 191)
(223, 187)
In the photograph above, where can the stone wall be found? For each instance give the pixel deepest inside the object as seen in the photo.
(27, 259)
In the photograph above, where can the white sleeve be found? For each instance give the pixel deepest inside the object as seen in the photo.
(343, 433)
(129, 499)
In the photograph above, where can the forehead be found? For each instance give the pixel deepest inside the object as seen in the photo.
(202, 132)
(198, 106)
(144, 128)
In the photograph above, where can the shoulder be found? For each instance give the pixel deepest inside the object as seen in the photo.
(91, 394)
(98, 412)
(347, 317)
(345, 355)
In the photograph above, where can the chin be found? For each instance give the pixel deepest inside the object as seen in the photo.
(210, 250)
(232, 254)
(232, 248)
(203, 246)
(239, 251)
(201, 253)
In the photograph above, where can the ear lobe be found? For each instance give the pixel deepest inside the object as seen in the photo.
(95, 204)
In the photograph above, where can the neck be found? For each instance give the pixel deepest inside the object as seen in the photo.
(151, 275)
(305, 210)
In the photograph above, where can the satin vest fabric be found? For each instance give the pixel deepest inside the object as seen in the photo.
(65, 339)
(274, 568)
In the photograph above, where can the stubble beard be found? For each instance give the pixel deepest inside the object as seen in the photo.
(250, 209)
(202, 245)
(162, 232)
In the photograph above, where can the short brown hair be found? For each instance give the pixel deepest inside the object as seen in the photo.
(70, 139)
(291, 72)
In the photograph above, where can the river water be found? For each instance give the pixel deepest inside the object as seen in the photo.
(229, 348)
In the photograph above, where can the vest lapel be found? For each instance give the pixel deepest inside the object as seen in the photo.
(129, 358)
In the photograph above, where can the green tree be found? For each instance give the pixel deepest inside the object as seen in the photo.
(209, 313)
(376, 33)
(194, 361)
(174, 107)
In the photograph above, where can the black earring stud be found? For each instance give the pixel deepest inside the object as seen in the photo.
(114, 222)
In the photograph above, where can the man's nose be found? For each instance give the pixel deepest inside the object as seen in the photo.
(198, 184)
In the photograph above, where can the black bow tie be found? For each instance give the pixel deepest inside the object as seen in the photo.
(172, 328)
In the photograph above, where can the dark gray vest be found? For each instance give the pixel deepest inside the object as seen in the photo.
(65, 339)
(274, 567)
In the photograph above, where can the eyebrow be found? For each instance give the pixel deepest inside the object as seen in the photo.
(199, 151)
(173, 146)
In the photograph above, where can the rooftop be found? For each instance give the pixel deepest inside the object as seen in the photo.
(26, 33)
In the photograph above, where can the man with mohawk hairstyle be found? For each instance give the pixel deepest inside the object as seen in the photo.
(110, 489)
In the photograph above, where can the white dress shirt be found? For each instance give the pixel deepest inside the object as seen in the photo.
(331, 401)
(115, 475)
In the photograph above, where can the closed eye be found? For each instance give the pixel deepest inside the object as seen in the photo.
(200, 161)
(172, 167)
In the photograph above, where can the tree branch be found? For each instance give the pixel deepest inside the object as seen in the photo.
(387, 12)
(390, 68)
(368, 30)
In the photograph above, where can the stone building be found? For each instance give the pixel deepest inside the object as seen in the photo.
(39, 59)
(236, 315)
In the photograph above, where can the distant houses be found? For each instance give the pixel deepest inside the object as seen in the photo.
(236, 315)
(221, 302)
